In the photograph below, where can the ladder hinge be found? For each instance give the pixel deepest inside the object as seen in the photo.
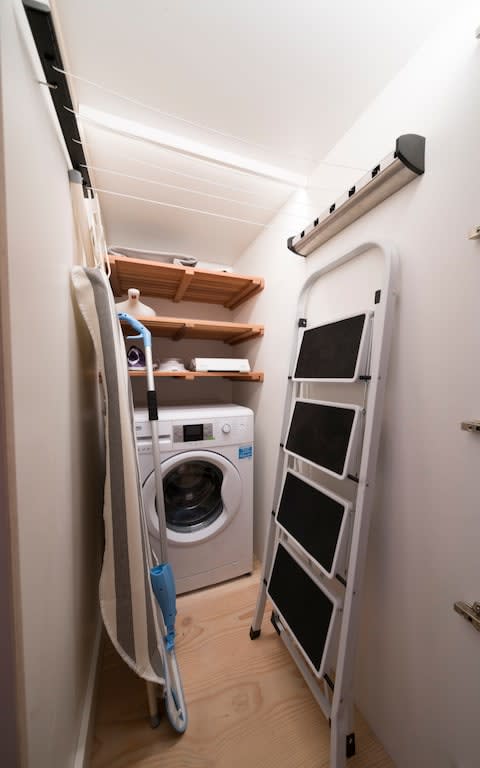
(265, 582)
(282, 445)
(365, 378)
(378, 295)
(302, 322)
(352, 477)
(350, 744)
(274, 620)
(273, 512)
(341, 579)
(329, 681)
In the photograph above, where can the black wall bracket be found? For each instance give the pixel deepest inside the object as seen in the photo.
(351, 745)
(41, 24)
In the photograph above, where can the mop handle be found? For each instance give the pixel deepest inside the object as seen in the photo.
(146, 336)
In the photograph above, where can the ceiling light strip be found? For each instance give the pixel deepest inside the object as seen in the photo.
(171, 205)
(172, 116)
(199, 159)
(185, 146)
(401, 166)
(203, 127)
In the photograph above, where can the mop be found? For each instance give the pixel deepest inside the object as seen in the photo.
(161, 574)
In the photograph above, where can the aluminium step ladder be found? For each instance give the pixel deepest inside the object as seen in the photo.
(316, 544)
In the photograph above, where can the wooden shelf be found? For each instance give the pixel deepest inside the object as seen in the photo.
(190, 375)
(172, 281)
(177, 328)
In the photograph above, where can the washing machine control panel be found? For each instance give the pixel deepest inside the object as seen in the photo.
(188, 433)
(184, 427)
(222, 431)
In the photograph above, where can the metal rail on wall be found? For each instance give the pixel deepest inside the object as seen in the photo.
(405, 163)
(46, 43)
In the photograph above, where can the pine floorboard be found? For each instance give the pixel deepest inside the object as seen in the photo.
(247, 703)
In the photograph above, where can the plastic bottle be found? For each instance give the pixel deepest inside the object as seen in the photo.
(134, 307)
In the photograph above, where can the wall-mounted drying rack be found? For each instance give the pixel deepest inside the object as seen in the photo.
(402, 165)
(316, 545)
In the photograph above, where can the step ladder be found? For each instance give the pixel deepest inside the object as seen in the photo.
(316, 544)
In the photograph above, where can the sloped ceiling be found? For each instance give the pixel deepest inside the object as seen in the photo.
(274, 81)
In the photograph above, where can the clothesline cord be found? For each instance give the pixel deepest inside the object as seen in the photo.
(336, 189)
(178, 118)
(190, 191)
(179, 207)
(210, 181)
(203, 127)
(205, 180)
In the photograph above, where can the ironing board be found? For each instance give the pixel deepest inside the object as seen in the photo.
(128, 606)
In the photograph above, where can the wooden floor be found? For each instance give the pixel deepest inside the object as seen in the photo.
(247, 703)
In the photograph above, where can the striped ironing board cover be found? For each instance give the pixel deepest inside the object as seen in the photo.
(128, 606)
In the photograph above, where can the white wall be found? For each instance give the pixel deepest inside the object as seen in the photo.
(418, 671)
(10, 662)
(275, 308)
(53, 379)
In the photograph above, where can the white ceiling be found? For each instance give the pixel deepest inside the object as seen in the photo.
(276, 81)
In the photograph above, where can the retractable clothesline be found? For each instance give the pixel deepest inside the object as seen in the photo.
(194, 124)
(203, 179)
(190, 191)
(203, 127)
(172, 116)
(171, 205)
(210, 181)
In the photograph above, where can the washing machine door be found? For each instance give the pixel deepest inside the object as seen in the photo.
(203, 492)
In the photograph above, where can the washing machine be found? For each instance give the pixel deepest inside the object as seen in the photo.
(207, 472)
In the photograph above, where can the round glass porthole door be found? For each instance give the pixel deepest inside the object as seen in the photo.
(193, 495)
(203, 493)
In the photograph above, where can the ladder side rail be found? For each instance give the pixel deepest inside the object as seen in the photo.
(282, 463)
(342, 703)
(268, 551)
(293, 390)
(317, 691)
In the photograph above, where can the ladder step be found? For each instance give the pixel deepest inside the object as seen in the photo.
(315, 517)
(303, 607)
(335, 351)
(337, 423)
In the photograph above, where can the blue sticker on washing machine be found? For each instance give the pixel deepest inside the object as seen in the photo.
(246, 452)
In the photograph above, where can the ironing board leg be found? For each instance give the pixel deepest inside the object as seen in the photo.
(153, 705)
